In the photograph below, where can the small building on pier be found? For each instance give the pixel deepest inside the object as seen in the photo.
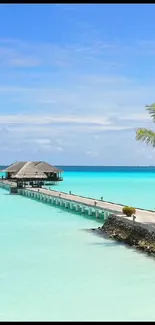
(33, 173)
(52, 173)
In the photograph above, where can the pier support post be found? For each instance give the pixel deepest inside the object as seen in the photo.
(71, 205)
(89, 211)
(66, 204)
(77, 207)
(83, 209)
(97, 214)
(106, 215)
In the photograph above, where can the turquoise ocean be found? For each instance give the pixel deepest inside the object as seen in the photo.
(53, 268)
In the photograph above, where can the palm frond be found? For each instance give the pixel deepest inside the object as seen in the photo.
(151, 110)
(145, 135)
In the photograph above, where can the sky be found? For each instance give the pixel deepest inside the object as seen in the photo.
(74, 82)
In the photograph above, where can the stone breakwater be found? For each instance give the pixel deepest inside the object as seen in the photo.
(129, 233)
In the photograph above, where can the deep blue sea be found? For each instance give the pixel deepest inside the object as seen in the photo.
(53, 268)
(107, 168)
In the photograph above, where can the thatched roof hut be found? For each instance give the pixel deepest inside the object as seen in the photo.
(29, 171)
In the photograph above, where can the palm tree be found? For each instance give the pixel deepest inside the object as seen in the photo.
(145, 135)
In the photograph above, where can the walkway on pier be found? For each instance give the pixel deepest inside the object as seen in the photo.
(146, 217)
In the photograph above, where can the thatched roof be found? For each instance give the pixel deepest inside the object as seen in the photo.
(40, 165)
(46, 168)
(29, 171)
(15, 167)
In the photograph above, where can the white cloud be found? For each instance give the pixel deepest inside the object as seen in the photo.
(136, 117)
(42, 141)
(47, 119)
(24, 62)
(11, 55)
(92, 153)
(59, 149)
(24, 54)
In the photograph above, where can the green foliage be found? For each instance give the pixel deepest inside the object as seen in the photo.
(128, 211)
(145, 135)
(151, 110)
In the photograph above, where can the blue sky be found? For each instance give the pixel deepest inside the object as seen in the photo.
(74, 82)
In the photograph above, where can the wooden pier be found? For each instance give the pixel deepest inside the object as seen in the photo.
(68, 201)
(84, 205)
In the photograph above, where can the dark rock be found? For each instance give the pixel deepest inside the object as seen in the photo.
(131, 234)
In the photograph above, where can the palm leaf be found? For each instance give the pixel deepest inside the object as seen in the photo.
(151, 110)
(146, 135)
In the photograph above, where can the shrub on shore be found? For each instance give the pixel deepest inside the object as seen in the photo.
(128, 211)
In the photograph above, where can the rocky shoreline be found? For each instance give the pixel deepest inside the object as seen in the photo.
(129, 233)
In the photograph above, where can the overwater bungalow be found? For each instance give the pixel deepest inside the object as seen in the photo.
(32, 173)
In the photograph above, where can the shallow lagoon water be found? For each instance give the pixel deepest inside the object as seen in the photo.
(52, 268)
(128, 188)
